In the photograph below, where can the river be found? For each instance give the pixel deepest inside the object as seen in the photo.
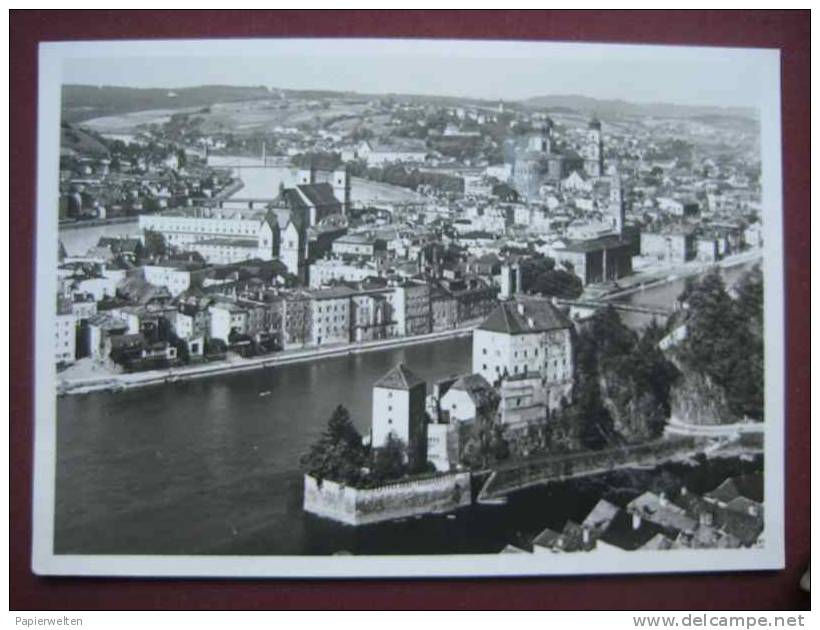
(211, 466)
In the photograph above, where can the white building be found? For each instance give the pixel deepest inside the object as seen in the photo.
(358, 245)
(219, 234)
(399, 410)
(327, 270)
(65, 340)
(98, 287)
(465, 398)
(502, 172)
(225, 317)
(176, 279)
(330, 310)
(526, 336)
(381, 154)
(226, 251)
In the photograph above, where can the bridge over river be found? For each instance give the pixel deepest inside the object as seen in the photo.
(594, 305)
(559, 467)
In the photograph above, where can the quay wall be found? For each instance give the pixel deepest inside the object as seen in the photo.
(537, 470)
(362, 506)
(172, 375)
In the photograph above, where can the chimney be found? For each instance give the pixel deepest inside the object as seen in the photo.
(662, 499)
(520, 308)
(636, 520)
(585, 535)
(751, 510)
(530, 322)
(684, 491)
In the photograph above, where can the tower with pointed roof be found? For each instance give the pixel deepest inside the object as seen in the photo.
(399, 408)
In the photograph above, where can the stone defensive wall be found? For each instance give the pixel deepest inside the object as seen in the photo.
(362, 506)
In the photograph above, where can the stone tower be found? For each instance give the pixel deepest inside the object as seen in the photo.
(594, 150)
(399, 409)
(341, 187)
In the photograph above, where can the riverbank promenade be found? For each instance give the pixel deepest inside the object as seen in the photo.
(108, 380)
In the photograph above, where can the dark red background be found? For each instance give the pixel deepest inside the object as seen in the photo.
(788, 31)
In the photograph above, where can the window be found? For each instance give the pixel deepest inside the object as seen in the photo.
(484, 351)
(484, 366)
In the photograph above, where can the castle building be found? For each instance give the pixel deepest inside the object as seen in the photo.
(399, 409)
(526, 336)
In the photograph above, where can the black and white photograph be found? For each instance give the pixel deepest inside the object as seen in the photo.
(354, 308)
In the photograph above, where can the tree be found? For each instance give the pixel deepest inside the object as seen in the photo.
(485, 444)
(155, 245)
(505, 192)
(724, 339)
(338, 454)
(389, 460)
(558, 283)
(340, 428)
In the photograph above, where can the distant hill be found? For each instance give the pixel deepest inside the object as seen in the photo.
(617, 108)
(81, 142)
(83, 102)
(732, 123)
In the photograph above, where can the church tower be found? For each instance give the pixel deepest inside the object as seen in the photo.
(540, 140)
(617, 206)
(341, 187)
(594, 162)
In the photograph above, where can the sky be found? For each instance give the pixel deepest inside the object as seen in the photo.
(492, 70)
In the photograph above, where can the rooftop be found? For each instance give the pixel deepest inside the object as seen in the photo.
(608, 241)
(525, 316)
(400, 377)
(749, 486)
(476, 387)
(331, 293)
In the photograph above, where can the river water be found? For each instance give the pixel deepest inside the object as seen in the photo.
(211, 466)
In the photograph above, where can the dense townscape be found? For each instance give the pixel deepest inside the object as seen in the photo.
(263, 225)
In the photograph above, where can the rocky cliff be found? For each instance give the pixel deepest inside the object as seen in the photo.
(695, 399)
(636, 415)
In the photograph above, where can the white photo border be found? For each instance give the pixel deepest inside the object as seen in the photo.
(46, 562)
